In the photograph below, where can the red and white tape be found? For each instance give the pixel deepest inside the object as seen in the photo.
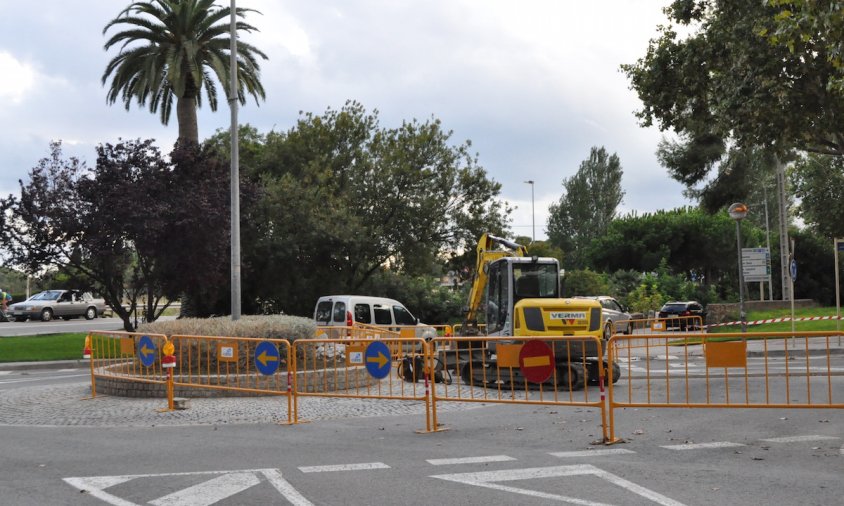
(776, 320)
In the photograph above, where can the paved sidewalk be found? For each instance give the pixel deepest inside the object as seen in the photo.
(71, 405)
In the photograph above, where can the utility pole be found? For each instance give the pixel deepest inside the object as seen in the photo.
(235, 172)
(532, 212)
(785, 277)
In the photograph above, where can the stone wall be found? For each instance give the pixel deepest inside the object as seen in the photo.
(720, 313)
(123, 385)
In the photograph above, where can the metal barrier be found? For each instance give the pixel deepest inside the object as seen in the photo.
(525, 370)
(358, 331)
(235, 364)
(127, 356)
(361, 369)
(730, 370)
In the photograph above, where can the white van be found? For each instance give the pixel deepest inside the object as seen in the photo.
(346, 310)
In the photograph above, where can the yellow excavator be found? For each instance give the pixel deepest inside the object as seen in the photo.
(522, 295)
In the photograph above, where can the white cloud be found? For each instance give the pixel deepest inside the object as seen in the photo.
(18, 78)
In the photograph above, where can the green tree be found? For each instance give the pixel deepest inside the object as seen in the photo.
(818, 181)
(343, 198)
(170, 50)
(724, 86)
(585, 282)
(802, 25)
(587, 207)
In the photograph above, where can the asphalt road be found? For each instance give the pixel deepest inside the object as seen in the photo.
(36, 327)
(490, 455)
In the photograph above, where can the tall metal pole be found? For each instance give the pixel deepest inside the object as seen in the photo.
(768, 241)
(235, 172)
(783, 224)
(532, 211)
(738, 212)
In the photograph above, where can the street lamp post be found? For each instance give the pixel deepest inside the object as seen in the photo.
(738, 212)
(532, 212)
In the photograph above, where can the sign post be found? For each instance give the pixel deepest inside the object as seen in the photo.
(839, 246)
(792, 271)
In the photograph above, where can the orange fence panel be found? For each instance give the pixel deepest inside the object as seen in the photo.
(544, 370)
(730, 370)
(126, 356)
(361, 369)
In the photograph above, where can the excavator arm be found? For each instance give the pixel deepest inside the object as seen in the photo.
(487, 252)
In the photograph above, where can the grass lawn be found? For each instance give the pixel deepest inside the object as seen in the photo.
(785, 326)
(39, 348)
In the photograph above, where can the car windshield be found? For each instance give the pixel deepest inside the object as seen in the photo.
(48, 295)
(674, 307)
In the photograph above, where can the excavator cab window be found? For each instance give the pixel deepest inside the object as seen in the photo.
(535, 280)
(498, 296)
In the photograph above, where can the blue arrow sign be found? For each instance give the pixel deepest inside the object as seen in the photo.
(267, 358)
(146, 351)
(377, 357)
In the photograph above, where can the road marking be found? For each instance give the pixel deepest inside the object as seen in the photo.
(344, 467)
(3, 373)
(25, 380)
(700, 446)
(798, 439)
(223, 486)
(69, 370)
(591, 453)
(488, 479)
(209, 492)
(470, 460)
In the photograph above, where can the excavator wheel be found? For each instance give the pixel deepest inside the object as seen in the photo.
(592, 366)
(571, 375)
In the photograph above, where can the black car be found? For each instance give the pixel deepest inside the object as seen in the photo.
(681, 314)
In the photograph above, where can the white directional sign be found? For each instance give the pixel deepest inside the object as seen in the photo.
(495, 480)
(756, 264)
(211, 487)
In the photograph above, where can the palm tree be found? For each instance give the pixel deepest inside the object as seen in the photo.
(184, 44)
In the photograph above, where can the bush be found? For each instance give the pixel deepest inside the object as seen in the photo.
(269, 327)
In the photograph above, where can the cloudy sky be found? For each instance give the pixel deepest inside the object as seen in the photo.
(533, 84)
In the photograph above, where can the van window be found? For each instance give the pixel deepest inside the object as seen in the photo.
(403, 316)
(382, 315)
(323, 312)
(362, 313)
(340, 312)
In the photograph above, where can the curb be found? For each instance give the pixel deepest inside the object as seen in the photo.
(52, 364)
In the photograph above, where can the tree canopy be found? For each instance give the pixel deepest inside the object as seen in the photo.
(343, 198)
(134, 224)
(724, 87)
(587, 207)
(172, 49)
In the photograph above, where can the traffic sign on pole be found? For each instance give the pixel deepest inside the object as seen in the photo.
(378, 361)
(146, 351)
(793, 268)
(266, 358)
(536, 361)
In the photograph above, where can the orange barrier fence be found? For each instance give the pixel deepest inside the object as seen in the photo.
(730, 370)
(358, 331)
(127, 356)
(235, 364)
(361, 369)
(530, 370)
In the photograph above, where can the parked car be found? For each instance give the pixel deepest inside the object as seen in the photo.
(616, 319)
(64, 304)
(681, 312)
(346, 310)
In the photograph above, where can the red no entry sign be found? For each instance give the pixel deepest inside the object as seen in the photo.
(536, 360)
